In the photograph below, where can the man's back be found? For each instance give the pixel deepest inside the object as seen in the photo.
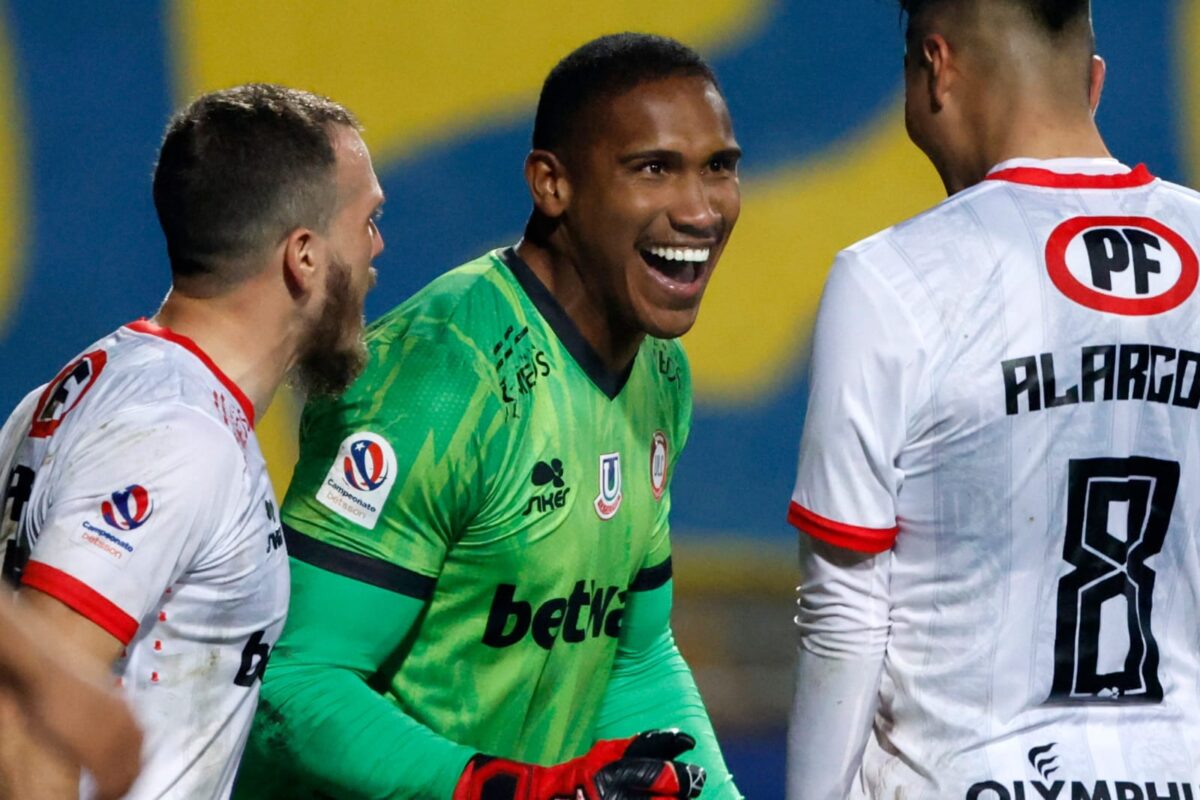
(1044, 579)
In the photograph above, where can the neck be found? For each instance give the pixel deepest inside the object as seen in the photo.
(247, 338)
(1023, 128)
(555, 266)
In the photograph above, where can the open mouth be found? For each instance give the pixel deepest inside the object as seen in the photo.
(683, 265)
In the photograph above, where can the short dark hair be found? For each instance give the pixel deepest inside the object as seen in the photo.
(1052, 16)
(239, 169)
(605, 67)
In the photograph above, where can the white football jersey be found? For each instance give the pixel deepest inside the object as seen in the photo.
(1005, 395)
(137, 495)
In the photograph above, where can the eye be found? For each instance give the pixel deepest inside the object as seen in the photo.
(653, 167)
(721, 164)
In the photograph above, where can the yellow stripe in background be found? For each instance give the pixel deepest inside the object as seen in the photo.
(418, 71)
(13, 183)
(758, 312)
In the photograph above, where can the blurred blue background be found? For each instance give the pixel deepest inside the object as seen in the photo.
(446, 91)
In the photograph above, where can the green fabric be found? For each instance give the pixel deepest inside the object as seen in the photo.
(652, 687)
(493, 436)
(319, 724)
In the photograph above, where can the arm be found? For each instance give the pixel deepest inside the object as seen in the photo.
(88, 600)
(652, 687)
(842, 620)
(865, 390)
(319, 717)
(67, 716)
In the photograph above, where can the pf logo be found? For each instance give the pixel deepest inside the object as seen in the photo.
(128, 508)
(365, 467)
(1134, 266)
(65, 391)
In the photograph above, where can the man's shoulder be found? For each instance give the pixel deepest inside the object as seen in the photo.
(129, 382)
(459, 305)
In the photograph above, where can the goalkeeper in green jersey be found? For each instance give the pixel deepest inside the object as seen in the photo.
(478, 528)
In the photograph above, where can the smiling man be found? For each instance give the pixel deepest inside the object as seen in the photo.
(478, 528)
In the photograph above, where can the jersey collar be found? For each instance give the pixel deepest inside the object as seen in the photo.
(1071, 173)
(607, 381)
(150, 329)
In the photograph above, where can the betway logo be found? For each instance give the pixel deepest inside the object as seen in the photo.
(510, 619)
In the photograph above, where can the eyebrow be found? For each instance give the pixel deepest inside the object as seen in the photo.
(662, 154)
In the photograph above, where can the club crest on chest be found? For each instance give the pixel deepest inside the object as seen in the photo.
(609, 499)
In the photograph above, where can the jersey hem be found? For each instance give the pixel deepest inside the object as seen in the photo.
(150, 329)
(364, 569)
(78, 596)
(839, 534)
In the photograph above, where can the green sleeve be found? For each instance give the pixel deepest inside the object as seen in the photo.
(321, 730)
(652, 687)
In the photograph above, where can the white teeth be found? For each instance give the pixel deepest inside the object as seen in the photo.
(680, 253)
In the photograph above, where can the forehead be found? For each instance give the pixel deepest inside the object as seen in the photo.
(355, 174)
(678, 113)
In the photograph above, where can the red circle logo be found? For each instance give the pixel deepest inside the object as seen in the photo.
(1135, 266)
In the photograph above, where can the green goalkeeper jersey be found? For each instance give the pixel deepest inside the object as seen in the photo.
(486, 461)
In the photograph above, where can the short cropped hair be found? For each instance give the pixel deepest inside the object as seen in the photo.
(238, 170)
(606, 67)
(1051, 16)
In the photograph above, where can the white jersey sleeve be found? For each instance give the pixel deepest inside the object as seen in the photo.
(159, 480)
(865, 375)
(12, 435)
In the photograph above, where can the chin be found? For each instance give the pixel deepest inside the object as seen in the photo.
(670, 324)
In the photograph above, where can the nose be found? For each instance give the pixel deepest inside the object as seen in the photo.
(693, 210)
(377, 247)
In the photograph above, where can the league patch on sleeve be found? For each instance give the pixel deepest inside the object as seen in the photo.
(360, 479)
(124, 511)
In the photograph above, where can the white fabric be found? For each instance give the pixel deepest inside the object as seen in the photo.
(193, 560)
(909, 425)
(842, 618)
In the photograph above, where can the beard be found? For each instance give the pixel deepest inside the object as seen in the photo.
(331, 359)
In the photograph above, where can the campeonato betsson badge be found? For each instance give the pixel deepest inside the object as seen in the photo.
(360, 479)
(609, 499)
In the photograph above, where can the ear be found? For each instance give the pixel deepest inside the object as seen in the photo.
(300, 261)
(938, 61)
(1096, 82)
(548, 183)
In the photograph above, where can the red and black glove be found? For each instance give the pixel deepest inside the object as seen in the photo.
(641, 767)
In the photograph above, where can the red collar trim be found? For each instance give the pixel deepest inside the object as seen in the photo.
(147, 327)
(1034, 176)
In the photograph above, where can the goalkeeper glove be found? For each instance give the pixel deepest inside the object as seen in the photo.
(641, 767)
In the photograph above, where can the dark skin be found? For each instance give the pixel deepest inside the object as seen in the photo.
(651, 171)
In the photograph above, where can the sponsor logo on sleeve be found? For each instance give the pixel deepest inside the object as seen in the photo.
(125, 510)
(65, 391)
(360, 479)
(609, 499)
(659, 451)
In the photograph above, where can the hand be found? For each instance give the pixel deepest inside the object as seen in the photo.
(641, 767)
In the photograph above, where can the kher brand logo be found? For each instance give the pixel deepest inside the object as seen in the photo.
(591, 611)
